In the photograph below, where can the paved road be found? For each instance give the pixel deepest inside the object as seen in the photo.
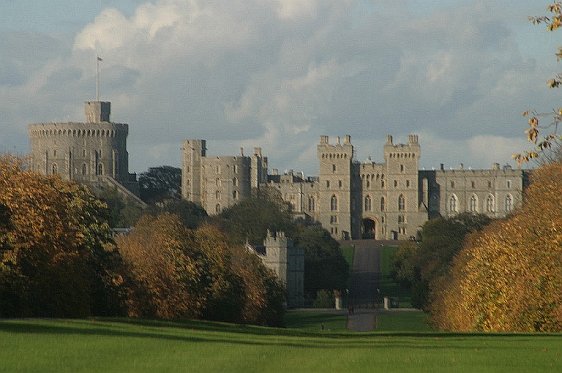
(365, 276)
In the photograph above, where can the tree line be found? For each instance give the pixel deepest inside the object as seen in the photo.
(59, 258)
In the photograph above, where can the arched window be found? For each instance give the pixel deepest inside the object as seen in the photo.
(368, 184)
(401, 168)
(368, 203)
(311, 204)
(401, 203)
(84, 169)
(453, 206)
(382, 203)
(334, 203)
(490, 203)
(54, 168)
(218, 194)
(235, 194)
(235, 181)
(333, 168)
(218, 208)
(473, 207)
(508, 203)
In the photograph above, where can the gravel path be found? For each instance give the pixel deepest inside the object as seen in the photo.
(365, 275)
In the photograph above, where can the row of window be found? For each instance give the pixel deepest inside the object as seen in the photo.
(84, 170)
(473, 184)
(473, 204)
(340, 184)
(218, 169)
(218, 182)
(367, 203)
(97, 154)
(218, 194)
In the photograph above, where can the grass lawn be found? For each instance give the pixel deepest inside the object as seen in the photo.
(347, 252)
(147, 346)
(402, 321)
(312, 321)
(387, 284)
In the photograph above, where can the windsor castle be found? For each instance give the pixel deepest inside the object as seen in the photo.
(351, 199)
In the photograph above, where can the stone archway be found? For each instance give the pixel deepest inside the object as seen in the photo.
(368, 228)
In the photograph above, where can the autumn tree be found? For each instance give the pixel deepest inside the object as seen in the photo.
(56, 257)
(508, 278)
(183, 273)
(543, 126)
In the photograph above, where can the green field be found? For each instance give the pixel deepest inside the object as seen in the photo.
(147, 346)
(388, 286)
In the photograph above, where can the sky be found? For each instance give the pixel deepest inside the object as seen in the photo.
(278, 74)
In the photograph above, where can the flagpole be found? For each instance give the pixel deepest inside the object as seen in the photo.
(98, 59)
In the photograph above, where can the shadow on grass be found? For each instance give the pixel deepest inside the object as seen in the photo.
(163, 333)
(210, 332)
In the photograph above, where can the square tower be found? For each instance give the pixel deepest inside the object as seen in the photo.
(97, 111)
(336, 190)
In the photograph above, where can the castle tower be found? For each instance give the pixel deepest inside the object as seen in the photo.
(287, 261)
(402, 190)
(258, 169)
(214, 183)
(84, 152)
(337, 189)
(193, 152)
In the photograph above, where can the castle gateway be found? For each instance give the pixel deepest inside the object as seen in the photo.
(352, 199)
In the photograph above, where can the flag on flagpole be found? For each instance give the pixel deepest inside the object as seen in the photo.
(99, 58)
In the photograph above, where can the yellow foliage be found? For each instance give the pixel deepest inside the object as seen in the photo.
(508, 277)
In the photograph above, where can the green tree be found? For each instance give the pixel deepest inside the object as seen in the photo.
(160, 183)
(325, 266)
(250, 219)
(418, 265)
(123, 212)
(191, 214)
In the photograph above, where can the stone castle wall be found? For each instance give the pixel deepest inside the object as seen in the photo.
(387, 200)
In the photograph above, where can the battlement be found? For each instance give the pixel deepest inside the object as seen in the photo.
(325, 140)
(275, 239)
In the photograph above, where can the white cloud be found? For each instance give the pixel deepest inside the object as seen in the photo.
(280, 73)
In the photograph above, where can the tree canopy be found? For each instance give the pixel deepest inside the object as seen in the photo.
(417, 265)
(509, 276)
(160, 183)
(56, 256)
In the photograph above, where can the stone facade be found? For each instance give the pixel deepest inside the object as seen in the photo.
(218, 182)
(287, 261)
(89, 152)
(352, 199)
